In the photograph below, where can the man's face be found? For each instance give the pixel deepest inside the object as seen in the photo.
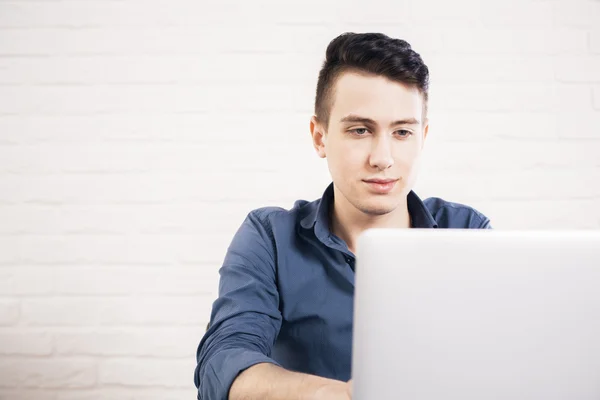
(373, 141)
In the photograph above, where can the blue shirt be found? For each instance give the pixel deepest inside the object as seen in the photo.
(286, 292)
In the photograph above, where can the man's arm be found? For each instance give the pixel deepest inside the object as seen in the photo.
(244, 324)
(270, 382)
(486, 224)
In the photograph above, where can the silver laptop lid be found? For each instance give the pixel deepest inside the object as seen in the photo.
(477, 314)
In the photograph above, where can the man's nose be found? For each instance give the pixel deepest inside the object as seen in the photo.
(381, 154)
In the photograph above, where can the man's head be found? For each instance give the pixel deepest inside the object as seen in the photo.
(370, 118)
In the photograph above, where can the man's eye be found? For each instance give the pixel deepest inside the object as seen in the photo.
(359, 131)
(403, 133)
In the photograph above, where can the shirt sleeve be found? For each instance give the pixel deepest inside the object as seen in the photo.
(486, 224)
(245, 318)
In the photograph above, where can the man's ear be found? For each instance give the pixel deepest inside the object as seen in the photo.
(317, 133)
(425, 131)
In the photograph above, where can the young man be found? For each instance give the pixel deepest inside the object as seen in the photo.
(282, 325)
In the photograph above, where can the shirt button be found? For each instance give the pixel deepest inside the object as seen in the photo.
(348, 260)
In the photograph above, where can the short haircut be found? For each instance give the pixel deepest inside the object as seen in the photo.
(370, 53)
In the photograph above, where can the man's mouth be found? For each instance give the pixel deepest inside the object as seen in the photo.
(381, 180)
(381, 185)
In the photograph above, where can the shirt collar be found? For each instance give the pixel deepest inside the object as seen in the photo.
(419, 213)
(318, 217)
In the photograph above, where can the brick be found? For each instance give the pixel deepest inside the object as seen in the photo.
(9, 312)
(20, 219)
(510, 98)
(58, 312)
(145, 373)
(109, 280)
(94, 14)
(290, 13)
(27, 394)
(578, 14)
(492, 97)
(149, 69)
(147, 342)
(357, 13)
(571, 98)
(542, 214)
(161, 128)
(50, 374)
(465, 126)
(123, 393)
(452, 69)
(126, 280)
(162, 188)
(477, 15)
(117, 311)
(579, 125)
(523, 14)
(595, 42)
(114, 249)
(148, 158)
(124, 219)
(162, 13)
(189, 39)
(19, 342)
(465, 13)
(513, 41)
(511, 156)
(25, 280)
(578, 69)
(466, 186)
(596, 97)
(85, 100)
(155, 310)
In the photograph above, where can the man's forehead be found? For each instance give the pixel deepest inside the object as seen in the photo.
(363, 81)
(360, 94)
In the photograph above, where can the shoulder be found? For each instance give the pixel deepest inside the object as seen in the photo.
(449, 214)
(262, 229)
(254, 244)
(273, 221)
(272, 217)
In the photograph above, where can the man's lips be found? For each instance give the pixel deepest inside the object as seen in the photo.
(381, 186)
(381, 181)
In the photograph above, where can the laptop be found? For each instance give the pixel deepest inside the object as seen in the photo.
(477, 315)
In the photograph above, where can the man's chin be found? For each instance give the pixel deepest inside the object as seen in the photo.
(376, 212)
(377, 208)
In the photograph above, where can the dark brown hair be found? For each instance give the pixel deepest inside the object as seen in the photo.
(371, 53)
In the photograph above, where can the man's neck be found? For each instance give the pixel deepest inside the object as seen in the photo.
(347, 222)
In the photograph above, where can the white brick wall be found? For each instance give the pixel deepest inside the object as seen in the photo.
(135, 136)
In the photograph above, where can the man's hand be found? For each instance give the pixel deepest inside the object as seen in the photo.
(334, 391)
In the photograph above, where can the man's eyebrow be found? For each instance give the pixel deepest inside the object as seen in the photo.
(368, 121)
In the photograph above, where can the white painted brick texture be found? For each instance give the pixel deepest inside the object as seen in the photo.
(136, 135)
